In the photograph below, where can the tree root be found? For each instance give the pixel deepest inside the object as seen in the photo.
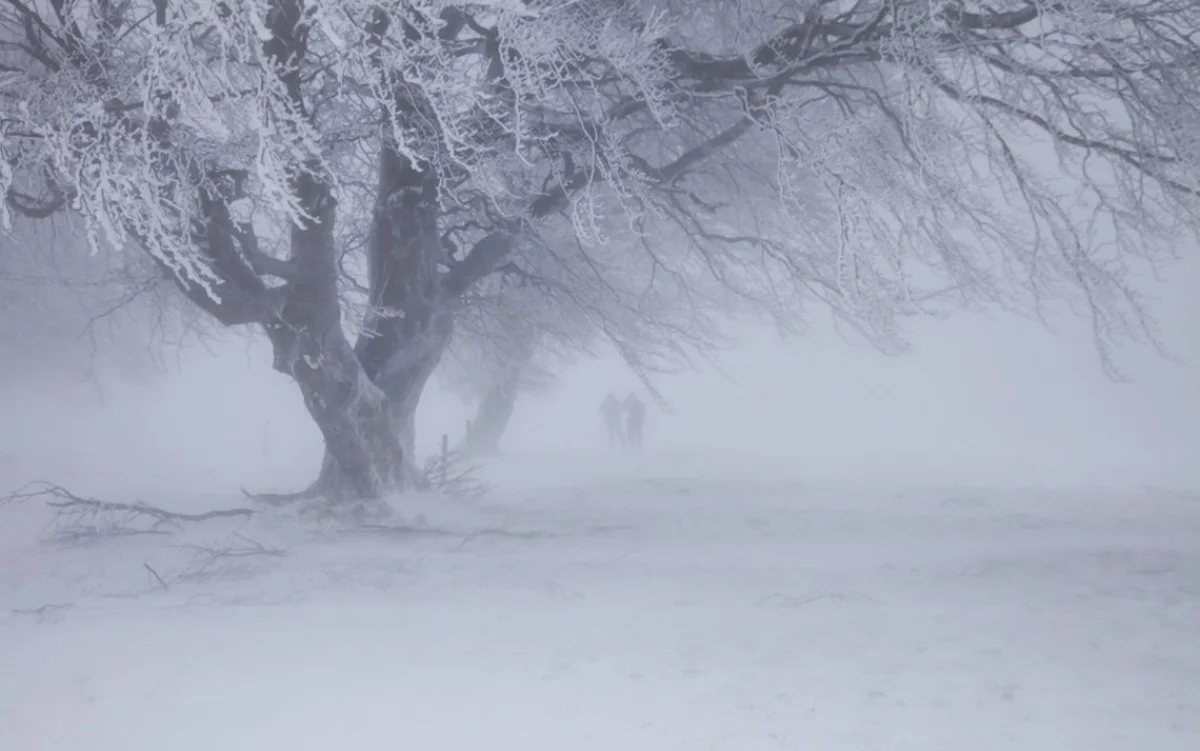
(449, 474)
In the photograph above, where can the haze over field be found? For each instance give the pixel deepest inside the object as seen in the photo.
(742, 585)
(992, 401)
(382, 374)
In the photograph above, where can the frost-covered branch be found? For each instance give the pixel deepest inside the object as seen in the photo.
(318, 168)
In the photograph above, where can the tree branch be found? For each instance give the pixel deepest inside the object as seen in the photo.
(482, 260)
(261, 262)
(60, 498)
(31, 208)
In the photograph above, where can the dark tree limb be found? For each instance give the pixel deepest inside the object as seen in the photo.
(483, 259)
(32, 208)
(79, 518)
(59, 497)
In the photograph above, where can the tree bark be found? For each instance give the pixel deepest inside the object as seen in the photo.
(365, 457)
(410, 323)
(401, 389)
(495, 411)
(516, 343)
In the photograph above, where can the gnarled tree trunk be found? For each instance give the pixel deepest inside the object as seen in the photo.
(353, 414)
(495, 411)
(411, 320)
(365, 398)
(517, 342)
(400, 387)
(364, 456)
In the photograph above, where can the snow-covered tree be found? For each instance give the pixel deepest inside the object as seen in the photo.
(499, 352)
(873, 157)
(555, 300)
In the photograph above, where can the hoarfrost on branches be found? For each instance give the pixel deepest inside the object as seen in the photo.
(308, 165)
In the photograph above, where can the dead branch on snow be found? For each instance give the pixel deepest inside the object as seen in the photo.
(79, 518)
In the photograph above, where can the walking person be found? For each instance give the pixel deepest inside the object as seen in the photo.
(611, 409)
(635, 420)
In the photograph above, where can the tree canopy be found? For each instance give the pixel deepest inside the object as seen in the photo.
(872, 158)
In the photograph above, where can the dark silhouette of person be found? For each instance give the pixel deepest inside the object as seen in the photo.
(635, 419)
(611, 409)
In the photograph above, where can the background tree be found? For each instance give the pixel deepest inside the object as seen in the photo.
(212, 134)
(499, 352)
(869, 156)
(555, 300)
(70, 316)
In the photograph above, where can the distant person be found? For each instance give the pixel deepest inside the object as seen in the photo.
(611, 409)
(635, 419)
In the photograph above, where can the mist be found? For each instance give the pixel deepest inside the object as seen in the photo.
(378, 375)
(918, 521)
(989, 400)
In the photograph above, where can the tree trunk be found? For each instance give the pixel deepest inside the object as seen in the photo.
(495, 411)
(518, 342)
(400, 388)
(407, 331)
(410, 324)
(364, 457)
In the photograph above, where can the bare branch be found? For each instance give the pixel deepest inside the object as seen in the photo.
(482, 260)
(57, 497)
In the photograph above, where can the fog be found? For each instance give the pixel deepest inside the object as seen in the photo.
(992, 400)
(983, 544)
(821, 547)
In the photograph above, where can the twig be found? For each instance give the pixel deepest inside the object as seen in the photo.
(206, 556)
(42, 611)
(140, 508)
(155, 575)
(258, 547)
(231, 550)
(453, 474)
(76, 535)
(807, 599)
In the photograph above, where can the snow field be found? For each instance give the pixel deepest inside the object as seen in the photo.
(613, 605)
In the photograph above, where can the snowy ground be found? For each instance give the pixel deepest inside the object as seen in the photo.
(622, 606)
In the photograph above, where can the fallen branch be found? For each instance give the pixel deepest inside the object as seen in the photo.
(157, 513)
(238, 546)
(42, 611)
(154, 573)
(78, 517)
(67, 499)
(49, 613)
(786, 601)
